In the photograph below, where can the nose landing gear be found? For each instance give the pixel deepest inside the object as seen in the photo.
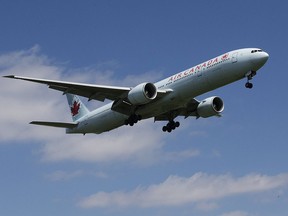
(249, 76)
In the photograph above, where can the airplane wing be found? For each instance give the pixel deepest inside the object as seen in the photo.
(90, 91)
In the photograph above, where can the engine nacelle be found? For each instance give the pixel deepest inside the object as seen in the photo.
(142, 93)
(210, 107)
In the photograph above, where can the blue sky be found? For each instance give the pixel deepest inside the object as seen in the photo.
(230, 166)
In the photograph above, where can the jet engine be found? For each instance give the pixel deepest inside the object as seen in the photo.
(210, 107)
(142, 93)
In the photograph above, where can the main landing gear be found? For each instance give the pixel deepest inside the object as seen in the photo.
(171, 125)
(249, 76)
(133, 119)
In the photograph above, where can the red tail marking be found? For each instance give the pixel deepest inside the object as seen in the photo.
(75, 108)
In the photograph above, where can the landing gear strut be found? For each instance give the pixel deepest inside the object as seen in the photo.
(171, 125)
(133, 119)
(249, 76)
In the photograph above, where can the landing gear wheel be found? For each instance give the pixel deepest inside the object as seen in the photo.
(133, 119)
(171, 125)
(249, 85)
(164, 129)
(177, 124)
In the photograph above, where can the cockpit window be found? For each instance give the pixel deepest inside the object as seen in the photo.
(254, 51)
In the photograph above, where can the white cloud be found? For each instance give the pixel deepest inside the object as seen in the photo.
(138, 143)
(22, 101)
(176, 191)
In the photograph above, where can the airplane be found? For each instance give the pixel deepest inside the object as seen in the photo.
(164, 100)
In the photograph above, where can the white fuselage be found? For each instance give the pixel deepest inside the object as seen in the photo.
(184, 86)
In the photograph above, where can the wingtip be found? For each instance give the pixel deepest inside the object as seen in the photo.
(33, 122)
(9, 76)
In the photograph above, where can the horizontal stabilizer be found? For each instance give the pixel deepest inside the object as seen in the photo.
(55, 124)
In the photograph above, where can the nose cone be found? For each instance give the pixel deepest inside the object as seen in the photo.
(263, 57)
(259, 59)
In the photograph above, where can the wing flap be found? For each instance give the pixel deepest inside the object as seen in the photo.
(55, 124)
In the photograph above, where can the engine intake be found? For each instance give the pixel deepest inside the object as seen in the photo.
(210, 107)
(142, 93)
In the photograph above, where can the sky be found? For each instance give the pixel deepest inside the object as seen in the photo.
(235, 165)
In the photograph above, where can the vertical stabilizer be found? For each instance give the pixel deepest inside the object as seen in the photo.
(77, 108)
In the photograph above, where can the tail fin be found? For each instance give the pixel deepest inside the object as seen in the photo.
(78, 109)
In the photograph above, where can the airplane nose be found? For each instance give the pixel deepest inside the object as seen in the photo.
(259, 59)
(264, 57)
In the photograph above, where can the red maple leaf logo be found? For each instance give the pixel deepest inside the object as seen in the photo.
(75, 108)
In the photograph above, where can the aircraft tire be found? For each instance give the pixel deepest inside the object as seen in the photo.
(164, 128)
(249, 85)
(177, 124)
